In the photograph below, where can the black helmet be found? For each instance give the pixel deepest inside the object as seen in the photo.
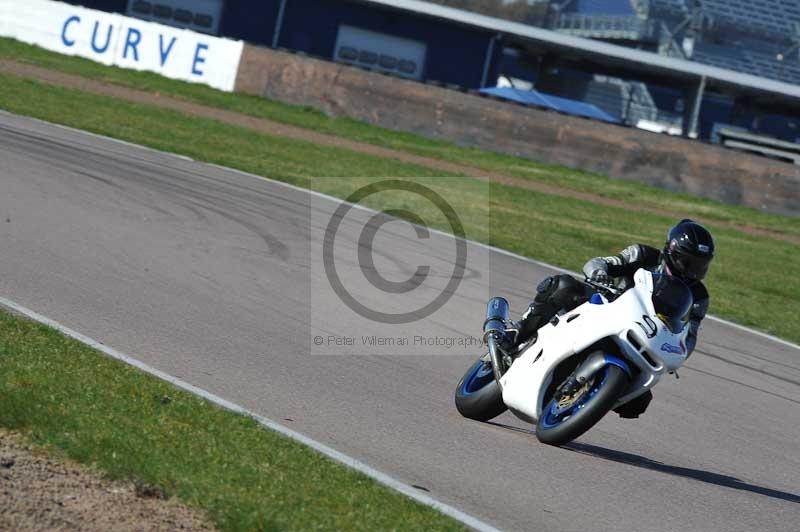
(688, 250)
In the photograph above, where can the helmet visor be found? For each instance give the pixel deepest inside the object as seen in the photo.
(689, 266)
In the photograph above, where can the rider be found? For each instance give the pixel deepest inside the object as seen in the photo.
(687, 255)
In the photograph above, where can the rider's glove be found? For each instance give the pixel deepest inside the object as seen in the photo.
(600, 276)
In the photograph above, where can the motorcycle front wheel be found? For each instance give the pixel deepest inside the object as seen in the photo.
(478, 395)
(565, 418)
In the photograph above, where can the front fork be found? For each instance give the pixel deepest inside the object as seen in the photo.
(494, 329)
(496, 359)
(589, 367)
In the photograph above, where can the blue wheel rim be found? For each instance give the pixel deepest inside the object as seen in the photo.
(552, 418)
(480, 375)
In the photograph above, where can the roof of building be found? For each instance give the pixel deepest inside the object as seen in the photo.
(598, 51)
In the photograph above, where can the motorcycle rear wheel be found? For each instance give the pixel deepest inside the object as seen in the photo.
(478, 396)
(558, 426)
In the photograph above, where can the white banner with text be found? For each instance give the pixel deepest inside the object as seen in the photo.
(127, 42)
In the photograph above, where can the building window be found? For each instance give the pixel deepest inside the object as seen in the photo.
(380, 51)
(198, 15)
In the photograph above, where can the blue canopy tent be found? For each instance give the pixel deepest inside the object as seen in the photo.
(540, 99)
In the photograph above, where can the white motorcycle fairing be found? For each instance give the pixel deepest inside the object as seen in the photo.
(646, 347)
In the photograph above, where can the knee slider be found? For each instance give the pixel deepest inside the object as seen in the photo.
(568, 293)
(547, 284)
(546, 289)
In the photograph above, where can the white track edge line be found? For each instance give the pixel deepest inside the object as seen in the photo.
(723, 321)
(331, 453)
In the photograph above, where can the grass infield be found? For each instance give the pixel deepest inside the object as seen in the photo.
(74, 400)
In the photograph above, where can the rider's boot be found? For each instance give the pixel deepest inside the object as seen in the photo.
(635, 407)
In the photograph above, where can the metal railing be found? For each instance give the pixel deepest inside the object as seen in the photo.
(605, 26)
(666, 43)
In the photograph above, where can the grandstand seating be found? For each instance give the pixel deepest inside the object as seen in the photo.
(669, 6)
(748, 60)
(766, 65)
(746, 35)
(614, 27)
(772, 20)
(600, 7)
(772, 16)
(721, 56)
(605, 19)
(742, 35)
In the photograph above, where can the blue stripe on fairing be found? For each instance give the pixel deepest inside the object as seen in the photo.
(621, 364)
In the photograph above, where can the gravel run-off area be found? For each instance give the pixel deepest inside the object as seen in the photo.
(39, 492)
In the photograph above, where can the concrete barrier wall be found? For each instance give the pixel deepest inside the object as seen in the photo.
(669, 162)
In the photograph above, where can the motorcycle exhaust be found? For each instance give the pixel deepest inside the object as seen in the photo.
(496, 316)
(493, 328)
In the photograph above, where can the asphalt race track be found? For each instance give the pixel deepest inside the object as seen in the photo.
(204, 273)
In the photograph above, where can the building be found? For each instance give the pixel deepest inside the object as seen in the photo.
(634, 59)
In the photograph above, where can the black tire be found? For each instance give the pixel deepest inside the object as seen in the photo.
(478, 395)
(613, 383)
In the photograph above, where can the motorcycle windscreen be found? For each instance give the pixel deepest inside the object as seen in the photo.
(672, 300)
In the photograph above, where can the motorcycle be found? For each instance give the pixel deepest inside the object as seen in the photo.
(585, 362)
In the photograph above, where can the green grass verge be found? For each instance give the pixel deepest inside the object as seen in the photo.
(636, 194)
(74, 400)
(750, 279)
